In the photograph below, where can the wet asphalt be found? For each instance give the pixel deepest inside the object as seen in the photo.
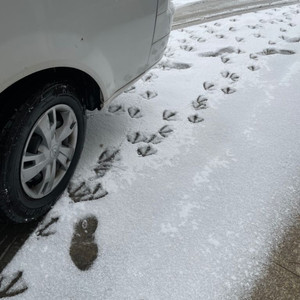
(12, 238)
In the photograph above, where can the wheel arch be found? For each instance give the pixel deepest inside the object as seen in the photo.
(85, 85)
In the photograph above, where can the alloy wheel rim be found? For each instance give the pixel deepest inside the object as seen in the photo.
(49, 151)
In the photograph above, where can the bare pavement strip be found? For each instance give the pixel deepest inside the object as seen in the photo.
(211, 10)
(282, 278)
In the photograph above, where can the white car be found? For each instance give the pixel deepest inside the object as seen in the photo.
(59, 58)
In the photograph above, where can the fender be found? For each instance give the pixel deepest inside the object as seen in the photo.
(108, 40)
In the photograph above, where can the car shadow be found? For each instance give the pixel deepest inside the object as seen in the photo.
(12, 238)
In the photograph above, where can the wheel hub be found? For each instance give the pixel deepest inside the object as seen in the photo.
(54, 152)
(48, 151)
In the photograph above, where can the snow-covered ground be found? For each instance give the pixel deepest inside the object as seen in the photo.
(193, 174)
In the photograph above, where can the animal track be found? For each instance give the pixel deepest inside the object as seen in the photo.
(136, 137)
(232, 29)
(149, 77)
(146, 150)
(225, 74)
(130, 89)
(154, 139)
(218, 52)
(139, 137)
(11, 289)
(200, 103)
(169, 115)
(187, 48)
(232, 76)
(253, 68)
(134, 112)
(201, 40)
(239, 39)
(225, 59)
(195, 119)
(82, 192)
(220, 36)
(106, 160)
(253, 56)
(83, 248)
(254, 26)
(115, 109)
(198, 39)
(208, 86)
(44, 232)
(165, 131)
(169, 52)
(210, 31)
(183, 41)
(290, 40)
(168, 65)
(272, 51)
(271, 43)
(228, 90)
(149, 95)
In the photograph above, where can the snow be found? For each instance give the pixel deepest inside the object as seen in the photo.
(184, 2)
(197, 218)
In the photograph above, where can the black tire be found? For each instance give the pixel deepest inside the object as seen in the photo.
(15, 203)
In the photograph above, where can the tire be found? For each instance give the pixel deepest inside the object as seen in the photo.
(40, 147)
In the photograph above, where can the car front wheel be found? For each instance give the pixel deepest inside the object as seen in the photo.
(40, 148)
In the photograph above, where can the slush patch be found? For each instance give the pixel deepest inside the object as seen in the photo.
(83, 249)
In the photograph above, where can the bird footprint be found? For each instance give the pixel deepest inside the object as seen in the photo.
(165, 131)
(228, 90)
(134, 112)
(200, 103)
(195, 119)
(169, 115)
(208, 86)
(149, 95)
(146, 150)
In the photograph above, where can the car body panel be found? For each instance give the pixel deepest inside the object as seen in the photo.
(109, 40)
